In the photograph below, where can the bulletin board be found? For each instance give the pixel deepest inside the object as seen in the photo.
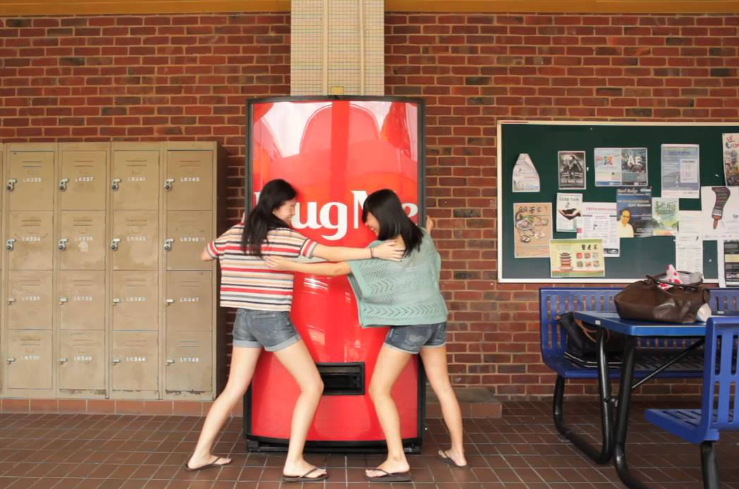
(542, 140)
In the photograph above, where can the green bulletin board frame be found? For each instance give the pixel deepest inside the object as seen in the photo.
(543, 139)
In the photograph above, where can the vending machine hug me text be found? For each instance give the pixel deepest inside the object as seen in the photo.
(335, 151)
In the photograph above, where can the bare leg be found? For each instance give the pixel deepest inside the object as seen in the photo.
(297, 360)
(390, 364)
(435, 364)
(243, 363)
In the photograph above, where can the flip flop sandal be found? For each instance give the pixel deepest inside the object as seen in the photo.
(304, 477)
(390, 476)
(442, 455)
(211, 465)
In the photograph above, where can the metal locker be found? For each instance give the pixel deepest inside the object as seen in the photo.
(188, 183)
(82, 185)
(189, 301)
(30, 182)
(135, 179)
(135, 365)
(187, 234)
(81, 241)
(29, 297)
(189, 364)
(28, 360)
(135, 301)
(81, 363)
(29, 240)
(135, 238)
(80, 300)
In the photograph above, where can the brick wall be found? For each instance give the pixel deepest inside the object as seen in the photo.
(187, 77)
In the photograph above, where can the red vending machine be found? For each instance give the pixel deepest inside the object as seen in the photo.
(335, 151)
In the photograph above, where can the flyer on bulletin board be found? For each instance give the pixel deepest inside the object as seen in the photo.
(572, 258)
(532, 229)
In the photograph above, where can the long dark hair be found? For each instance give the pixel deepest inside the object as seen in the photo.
(388, 210)
(261, 219)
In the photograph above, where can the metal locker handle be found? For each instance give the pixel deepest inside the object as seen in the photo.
(10, 244)
(11, 184)
(11, 300)
(62, 360)
(116, 184)
(170, 361)
(168, 184)
(116, 360)
(170, 301)
(114, 244)
(116, 301)
(63, 300)
(11, 360)
(168, 244)
(63, 244)
(63, 184)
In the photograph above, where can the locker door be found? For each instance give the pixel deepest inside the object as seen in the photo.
(83, 180)
(81, 363)
(135, 238)
(135, 365)
(81, 300)
(189, 301)
(29, 362)
(135, 301)
(189, 363)
(82, 240)
(189, 181)
(30, 184)
(187, 234)
(29, 240)
(29, 300)
(135, 182)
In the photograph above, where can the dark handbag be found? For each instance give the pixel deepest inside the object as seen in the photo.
(582, 339)
(645, 300)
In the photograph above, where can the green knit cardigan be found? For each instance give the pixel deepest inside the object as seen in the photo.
(404, 293)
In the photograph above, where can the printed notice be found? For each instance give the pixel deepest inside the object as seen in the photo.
(681, 171)
(569, 210)
(599, 222)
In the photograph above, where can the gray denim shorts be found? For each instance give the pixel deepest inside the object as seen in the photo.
(272, 330)
(411, 339)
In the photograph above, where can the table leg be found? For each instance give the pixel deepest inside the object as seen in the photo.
(606, 410)
(622, 416)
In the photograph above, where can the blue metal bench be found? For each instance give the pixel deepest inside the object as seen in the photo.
(554, 301)
(703, 426)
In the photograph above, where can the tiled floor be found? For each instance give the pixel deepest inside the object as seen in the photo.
(521, 450)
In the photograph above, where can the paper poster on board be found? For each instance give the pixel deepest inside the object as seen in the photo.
(569, 210)
(532, 229)
(572, 258)
(665, 216)
(599, 222)
(525, 176)
(731, 158)
(720, 213)
(680, 167)
(634, 207)
(607, 167)
(634, 167)
(572, 168)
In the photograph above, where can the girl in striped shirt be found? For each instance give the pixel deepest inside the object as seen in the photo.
(263, 297)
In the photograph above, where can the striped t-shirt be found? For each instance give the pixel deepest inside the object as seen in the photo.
(246, 281)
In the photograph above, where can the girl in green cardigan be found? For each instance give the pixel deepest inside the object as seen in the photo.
(404, 295)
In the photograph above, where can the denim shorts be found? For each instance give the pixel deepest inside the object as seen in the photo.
(411, 339)
(272, 330)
